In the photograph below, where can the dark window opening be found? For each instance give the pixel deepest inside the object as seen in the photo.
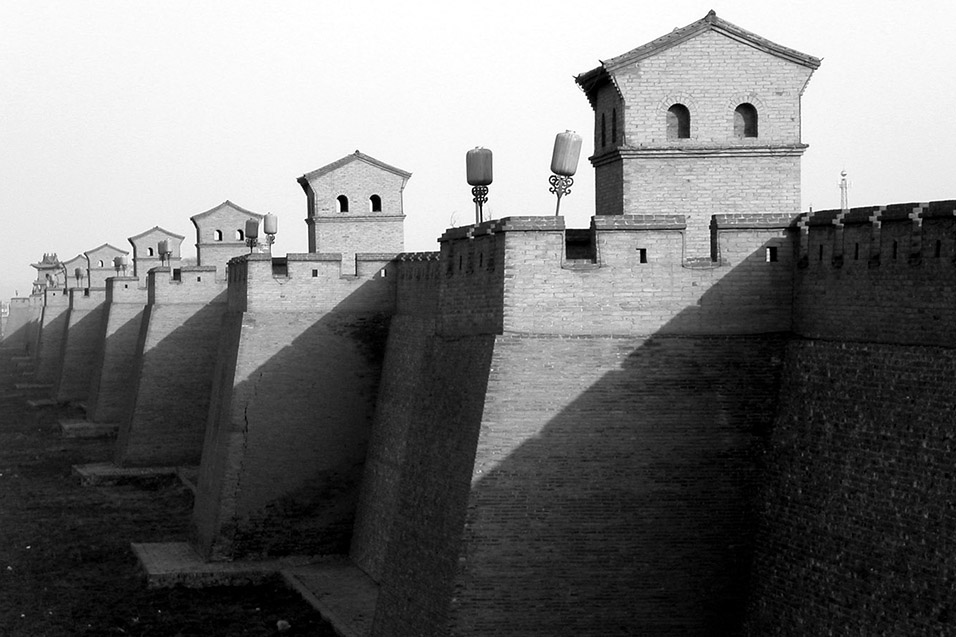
(240, 236)
(895, 249)
(678, 122)
(315, 273)
(820, 257)
(745, 121)
(149, 252)
(771, 254)
(177, 275)
(642, 255)
(856, 251)
(342, 203)
(384, 272)
(375, 203)
(217, 235)
(199, 278)
(939, 248)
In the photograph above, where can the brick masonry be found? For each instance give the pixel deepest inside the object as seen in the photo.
(112, 378)
(81, 344)
(175, 361)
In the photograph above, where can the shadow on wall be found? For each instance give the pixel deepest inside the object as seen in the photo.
(578, 485)
(175, 360)
(288, 426)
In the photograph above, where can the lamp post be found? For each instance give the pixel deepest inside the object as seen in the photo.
(478, 169)
(165, 254)
(270, 225)
(120, 262)
(78, 275)
(564, 163)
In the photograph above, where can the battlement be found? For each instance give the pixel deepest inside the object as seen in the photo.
(515, 275)
(311, 281)
(189, 284)
(125, 289)
(875, 236)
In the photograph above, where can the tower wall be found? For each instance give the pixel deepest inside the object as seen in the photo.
(52, 333)
(292, 402)
(82, 343)
(20, 331)
(112, 378)
(175, 360)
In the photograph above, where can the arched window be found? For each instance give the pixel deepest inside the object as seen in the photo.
(217, 235)
(149, 252)
(240, 236)
(375, 203)
(745, 120)
(100, 262)
(342, 203)
(678, 122)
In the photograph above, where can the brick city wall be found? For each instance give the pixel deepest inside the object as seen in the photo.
(112, 378)
(50, 337)
(858, 509)
(292, 405)
(881, 274)
(512, 275)
(175, 361)
(22, 326)
(81, 345)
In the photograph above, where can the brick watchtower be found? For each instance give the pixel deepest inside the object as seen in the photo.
(355, 205)
(702, 121)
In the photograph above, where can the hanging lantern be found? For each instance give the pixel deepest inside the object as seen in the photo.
(567, 150)
(123, 261)
(270, 225)
(478, 165)
(252, 228)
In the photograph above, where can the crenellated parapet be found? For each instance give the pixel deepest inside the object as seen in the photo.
(311, 282)
(878, 273)
(527, 274)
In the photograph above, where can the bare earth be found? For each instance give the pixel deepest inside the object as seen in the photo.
(65, 563)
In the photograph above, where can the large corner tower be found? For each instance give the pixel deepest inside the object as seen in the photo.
(702, 121)
(355, 205)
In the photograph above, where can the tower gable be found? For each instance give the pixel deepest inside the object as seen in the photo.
(355, 205)
(701, 122)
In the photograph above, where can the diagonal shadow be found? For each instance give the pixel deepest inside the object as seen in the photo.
(573, 484)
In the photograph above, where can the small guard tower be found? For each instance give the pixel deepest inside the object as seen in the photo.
(221, 235)
(702, 121)
(355, 205)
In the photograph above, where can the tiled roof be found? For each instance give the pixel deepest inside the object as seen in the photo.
(357, 155)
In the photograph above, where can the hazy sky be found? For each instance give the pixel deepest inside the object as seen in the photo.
(119, 116)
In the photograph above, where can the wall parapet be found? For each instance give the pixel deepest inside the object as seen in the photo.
(639, 222)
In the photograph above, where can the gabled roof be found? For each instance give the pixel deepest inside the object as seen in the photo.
(356, 156)
(710, 22)
(105, 245)
(224, 204)
(154, 229)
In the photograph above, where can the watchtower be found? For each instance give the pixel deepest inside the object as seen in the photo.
(146, 253)
(220, 235)
(702, 121)
(355, 205)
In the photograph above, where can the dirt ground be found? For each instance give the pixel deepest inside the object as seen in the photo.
(66, 567)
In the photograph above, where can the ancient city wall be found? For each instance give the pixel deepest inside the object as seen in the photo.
(568, 433)
(859, 493)
(175, 360)
(881, 274)
(52, 332)
(20, 331)
(637, 283)
(858, 487)
(292, 403)
(112, 378)
(82, 343)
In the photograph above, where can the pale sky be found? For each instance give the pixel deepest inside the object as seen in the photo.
(118, 116)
